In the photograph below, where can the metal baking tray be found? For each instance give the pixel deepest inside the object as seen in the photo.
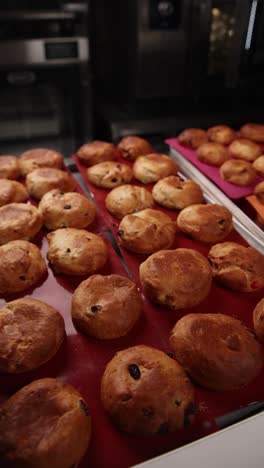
(213, 408)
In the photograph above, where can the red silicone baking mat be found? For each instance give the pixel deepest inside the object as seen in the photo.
(81, 362)
(210, 404)
(232, 191)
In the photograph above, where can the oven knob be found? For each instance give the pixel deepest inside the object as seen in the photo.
(165, 8)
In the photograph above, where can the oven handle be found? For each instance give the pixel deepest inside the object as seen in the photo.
(242, 15)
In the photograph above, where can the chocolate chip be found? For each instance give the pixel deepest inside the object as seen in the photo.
(114, 180)
(68, 250)
(22, 278)
(95, 308)
(189, 411)
(233, 342)
(120, 232)
(118, 166)
(221, 222)
(178, 402)
(170, 354)
(84, 407)
(67, 207)
(148, 412)
(134, 371)
(164, 428)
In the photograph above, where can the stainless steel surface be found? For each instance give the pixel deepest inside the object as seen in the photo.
(32, 51)
(239, 446)
(22, 15)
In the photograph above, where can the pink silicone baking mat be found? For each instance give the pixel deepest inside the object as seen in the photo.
(232, 191)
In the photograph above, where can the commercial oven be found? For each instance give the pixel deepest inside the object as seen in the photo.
(45, 84)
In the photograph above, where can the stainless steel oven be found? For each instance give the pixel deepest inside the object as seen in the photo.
(162, 65)
(147, 49)
(45, 79)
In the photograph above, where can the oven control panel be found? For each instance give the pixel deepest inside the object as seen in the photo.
(164, 14)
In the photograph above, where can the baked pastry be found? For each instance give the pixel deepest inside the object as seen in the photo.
(41, 181)
(176, 279)
(259, 192)
(12, 191)
(237, 267)
(76, 251)
(205, 223)
(31, 332)
(146, 392)
(244, 149)
(193, 137)
(128, 199)
(147, 231)
(106, 307)
(221, 134)
(152, 167)
(216, 350)
(109, 174)
(70, 209)
(9, 167)
(176, 194)
(212, 153)
(131, 147)
(258, 165)
(46, 425)
(21, 266)
(19, 221)
(258, 320)
(253, 131)
(39, 157)
(96, 152)
(238, 172)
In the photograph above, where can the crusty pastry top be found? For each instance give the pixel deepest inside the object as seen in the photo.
(39, 157)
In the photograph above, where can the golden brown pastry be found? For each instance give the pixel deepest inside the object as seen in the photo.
(12, 191)
(41, 181)
(131, 147)
(96, 152)
(106, 307)
(244, 149)
(216, 350)
(258, 320)
(31, 332)
(70, 209)
(176, 279)
(128, 199)
(238, 172)
(253, 131)
(221, 134)
(76, 251)
(212, 153)
(259, 192)
(19, 221)
(193, 137)
(21, 266)
(258, 165)
(205, 223)
(152, 167)
(46, 425)
(176, 194)
(39, 157)
(9, 167)
(237, 267)
(147, 231)
(146, 392)
(109, 174)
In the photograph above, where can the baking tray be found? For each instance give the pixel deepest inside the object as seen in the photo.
(234, 192)
(210, 405)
